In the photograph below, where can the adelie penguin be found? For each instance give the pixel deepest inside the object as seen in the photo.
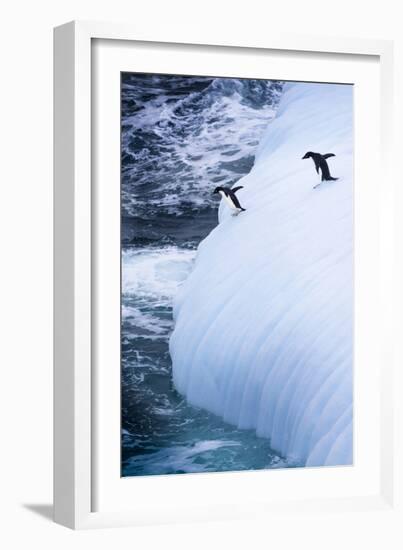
(321, 165)
(230, 198)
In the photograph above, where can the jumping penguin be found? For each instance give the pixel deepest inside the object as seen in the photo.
(321, 164)
(231, 199)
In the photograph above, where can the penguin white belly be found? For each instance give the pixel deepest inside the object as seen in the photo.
(228, 200)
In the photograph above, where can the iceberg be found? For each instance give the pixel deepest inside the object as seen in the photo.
(263, 331)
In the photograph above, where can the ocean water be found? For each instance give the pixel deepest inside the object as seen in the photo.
(181, 136)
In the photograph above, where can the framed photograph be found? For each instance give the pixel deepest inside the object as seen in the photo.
(223, 276)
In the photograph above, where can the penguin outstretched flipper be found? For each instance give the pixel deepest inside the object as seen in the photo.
(328, 155)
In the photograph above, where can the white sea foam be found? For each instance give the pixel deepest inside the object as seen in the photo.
(263, 333)
(202, 137)
(177, 458)
(156, 273)
(143, 320)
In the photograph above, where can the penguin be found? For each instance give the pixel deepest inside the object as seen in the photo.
(231, 199)
(321, 164)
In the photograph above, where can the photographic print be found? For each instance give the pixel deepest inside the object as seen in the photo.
(236, 274)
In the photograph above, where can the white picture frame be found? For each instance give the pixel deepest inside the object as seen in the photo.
(77, 471)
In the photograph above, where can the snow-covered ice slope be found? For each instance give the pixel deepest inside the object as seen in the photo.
(263, 324)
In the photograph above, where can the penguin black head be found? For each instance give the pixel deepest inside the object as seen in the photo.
(217, 190)
(307, 155)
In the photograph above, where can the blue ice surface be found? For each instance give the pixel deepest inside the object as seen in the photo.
(264, 322)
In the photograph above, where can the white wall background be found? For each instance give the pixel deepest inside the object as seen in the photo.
(26, 270)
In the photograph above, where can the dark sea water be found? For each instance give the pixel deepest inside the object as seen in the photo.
(181, 136)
